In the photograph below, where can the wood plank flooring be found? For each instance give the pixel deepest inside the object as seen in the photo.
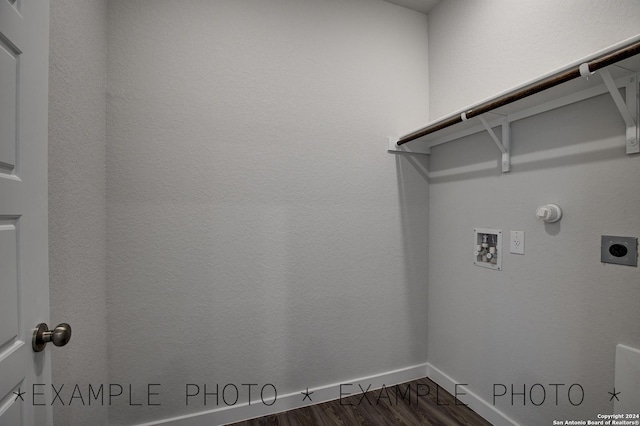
(381, 408)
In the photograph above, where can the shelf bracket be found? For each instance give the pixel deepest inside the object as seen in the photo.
(416, 148)
(628, 109)
(504, 144)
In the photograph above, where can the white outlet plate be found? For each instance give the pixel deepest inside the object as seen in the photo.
(516, 242)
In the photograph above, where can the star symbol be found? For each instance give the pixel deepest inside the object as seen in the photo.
(306, 395)
(614, 394)
(19, 395)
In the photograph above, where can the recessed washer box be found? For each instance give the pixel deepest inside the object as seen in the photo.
(488, 248)
(619, 250)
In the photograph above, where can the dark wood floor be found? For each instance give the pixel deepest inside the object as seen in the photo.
(381, 408)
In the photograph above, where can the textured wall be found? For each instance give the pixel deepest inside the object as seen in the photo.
(555, 314)
(77, 135)
(258, 231)
(483, 47)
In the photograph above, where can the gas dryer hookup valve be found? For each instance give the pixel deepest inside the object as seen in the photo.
(549, 213)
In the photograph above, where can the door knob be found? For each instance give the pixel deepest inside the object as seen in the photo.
(59, 336)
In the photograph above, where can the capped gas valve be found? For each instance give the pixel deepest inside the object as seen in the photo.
(549, 213)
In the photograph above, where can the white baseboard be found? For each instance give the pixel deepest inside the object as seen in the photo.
(240, 412)
(477, 404)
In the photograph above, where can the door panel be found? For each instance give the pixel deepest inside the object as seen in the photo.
(12, 416)
(12, 373)
(8, 99)
(24, 285)
(8, 283)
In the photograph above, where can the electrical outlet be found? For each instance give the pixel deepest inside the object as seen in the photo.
(619, 250)
(517, 242)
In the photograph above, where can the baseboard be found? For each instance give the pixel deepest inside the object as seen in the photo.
(240, 412)
(477, 404)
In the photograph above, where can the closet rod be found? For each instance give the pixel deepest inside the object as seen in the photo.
(547, 83)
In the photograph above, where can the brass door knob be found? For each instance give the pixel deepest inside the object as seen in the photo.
(59, 336)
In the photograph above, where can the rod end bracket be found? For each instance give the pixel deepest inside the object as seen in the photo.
(415, 148)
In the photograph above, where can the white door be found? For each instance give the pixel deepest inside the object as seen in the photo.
(24, 283)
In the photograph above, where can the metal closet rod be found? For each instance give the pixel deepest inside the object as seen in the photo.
(547, 83)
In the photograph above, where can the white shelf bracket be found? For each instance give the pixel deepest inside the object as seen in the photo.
(628, 109)
(413, 148)
(503, 145)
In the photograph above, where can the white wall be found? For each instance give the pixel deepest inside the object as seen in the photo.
(483, 47)
(77, 214)
(258, 232)
(555, 314)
